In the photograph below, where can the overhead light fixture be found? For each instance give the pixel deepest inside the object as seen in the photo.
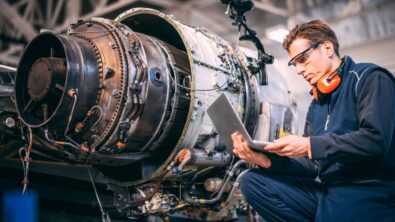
(277, 33)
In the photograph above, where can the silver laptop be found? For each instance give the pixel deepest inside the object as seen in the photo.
(226, 121)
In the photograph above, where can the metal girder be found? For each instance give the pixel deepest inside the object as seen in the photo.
(4, 68)
(73, 10)
(13, 60)
(14, 18)
(9, 56)
(56, 13)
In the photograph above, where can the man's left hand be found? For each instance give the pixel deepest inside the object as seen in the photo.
(290, 146)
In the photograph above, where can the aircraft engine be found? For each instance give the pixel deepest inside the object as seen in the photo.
(128, 96)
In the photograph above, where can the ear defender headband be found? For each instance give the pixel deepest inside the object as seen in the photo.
(327, 84)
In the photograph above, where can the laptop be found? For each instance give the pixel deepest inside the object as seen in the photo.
(227, 121)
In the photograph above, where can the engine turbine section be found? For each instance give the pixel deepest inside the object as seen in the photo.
(129, 96)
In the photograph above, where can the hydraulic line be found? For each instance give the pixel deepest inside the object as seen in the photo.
(26, 161)
(104, 215)
(221, 191)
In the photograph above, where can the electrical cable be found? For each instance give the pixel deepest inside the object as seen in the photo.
(104, 215)
(230, 174)
(58, 142)
(196, 90)
(26, 161)
(70, 119)
(100, 115)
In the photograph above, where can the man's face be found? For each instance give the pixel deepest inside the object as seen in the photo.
(309, 58)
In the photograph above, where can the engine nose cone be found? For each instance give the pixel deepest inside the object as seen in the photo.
(43, 75)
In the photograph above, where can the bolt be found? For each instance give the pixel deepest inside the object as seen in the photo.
(115, 93)
(10, 122)
(113, 45)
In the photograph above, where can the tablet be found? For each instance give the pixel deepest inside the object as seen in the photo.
(227, 121)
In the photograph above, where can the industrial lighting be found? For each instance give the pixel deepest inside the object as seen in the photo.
(277, 33)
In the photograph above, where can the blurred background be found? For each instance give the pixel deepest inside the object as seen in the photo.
(365, 28)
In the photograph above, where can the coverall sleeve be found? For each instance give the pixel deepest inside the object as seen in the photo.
(376, 111)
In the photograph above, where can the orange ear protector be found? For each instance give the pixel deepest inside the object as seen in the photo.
(327, 84)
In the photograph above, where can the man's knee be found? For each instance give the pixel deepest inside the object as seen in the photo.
(256, 187)
(278, 197)
(253, 184)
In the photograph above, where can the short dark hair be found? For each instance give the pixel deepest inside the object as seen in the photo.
(315, 31)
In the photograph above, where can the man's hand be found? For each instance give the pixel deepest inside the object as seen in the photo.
(290, 146)
(241, 149)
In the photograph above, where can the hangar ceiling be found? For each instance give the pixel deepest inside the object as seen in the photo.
(357, 22)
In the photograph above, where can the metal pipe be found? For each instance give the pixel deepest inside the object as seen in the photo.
(71, 118)
(58, 142)
(235, 185)
(230, 174)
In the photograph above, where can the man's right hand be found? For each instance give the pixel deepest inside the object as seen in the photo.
(241, 149)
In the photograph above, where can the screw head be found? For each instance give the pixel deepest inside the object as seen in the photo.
(10, 122)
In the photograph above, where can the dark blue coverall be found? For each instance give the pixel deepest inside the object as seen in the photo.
(351, 176)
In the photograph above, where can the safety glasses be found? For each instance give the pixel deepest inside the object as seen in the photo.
(303, 56)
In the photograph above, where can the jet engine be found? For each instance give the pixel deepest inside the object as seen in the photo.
(128, 97)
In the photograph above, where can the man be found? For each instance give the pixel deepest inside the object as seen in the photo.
(343, 168)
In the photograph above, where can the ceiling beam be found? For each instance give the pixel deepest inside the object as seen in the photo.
(9, 13)
(56, 13)
(73, 10)
(11, 60)
(4, 68)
